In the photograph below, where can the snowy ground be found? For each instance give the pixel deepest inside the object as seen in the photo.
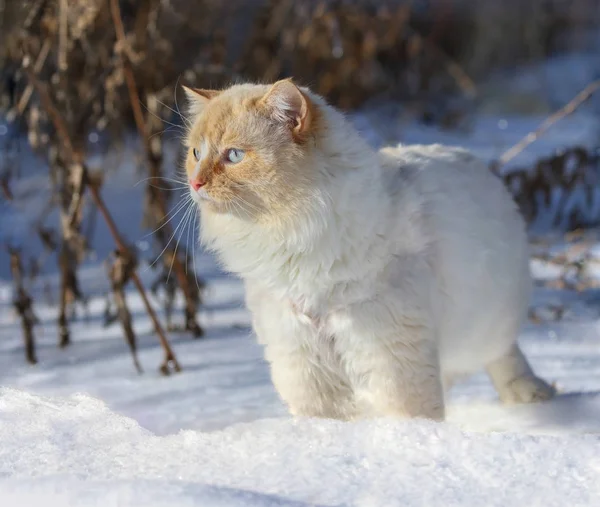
(82, 428)
(216, 434)
(76, 451)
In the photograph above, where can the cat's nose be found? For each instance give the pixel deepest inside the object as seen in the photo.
(197, 184)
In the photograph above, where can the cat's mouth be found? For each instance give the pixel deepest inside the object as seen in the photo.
(200, 195)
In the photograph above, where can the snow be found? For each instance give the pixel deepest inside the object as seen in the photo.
(73, 450)
(488, 136)
(82, 428)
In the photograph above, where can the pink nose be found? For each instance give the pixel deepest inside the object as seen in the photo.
(197, 184)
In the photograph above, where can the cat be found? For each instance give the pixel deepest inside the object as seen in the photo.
(374, 279)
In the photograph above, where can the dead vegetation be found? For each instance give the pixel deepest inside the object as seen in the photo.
(69, 69)
(560, 189)
(120, 269)
(73, 68)
(570, 264)
(23, 304)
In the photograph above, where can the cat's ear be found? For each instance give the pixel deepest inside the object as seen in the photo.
(286, 103)
(198, 98)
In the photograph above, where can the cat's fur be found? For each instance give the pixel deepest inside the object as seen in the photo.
(374, 278)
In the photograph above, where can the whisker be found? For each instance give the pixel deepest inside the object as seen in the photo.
(169, 189)
(186, 120)
(237, 205)
(239, 185)
(168, 129)
(244, 201)
(159, 118)
(170, 109)
(180, 181)
(187, 246)
(182, 137)
(183, 221)
(195, 240)
(167, 245)
(173, 214)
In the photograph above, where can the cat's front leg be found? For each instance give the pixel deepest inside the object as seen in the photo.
(304, 368)
(307, 385)
(391, 359)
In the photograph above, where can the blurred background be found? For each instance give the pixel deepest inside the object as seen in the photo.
(90, 129)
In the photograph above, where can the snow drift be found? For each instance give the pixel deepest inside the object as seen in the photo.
(76, 451)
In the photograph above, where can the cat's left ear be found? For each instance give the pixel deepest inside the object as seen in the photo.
(288, 104)
(198, 98)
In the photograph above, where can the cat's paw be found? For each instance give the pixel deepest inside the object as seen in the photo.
(526, 389)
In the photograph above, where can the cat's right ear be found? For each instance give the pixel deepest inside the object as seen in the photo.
(197, 99)
(286, 103)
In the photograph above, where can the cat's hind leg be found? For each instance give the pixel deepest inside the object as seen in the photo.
(391, 359)
(515, 381)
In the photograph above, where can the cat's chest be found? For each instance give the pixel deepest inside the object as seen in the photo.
(289, 306)
(312, 275)
(311, 292)
(300, 311)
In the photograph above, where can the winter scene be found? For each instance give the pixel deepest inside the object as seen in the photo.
(300, 253)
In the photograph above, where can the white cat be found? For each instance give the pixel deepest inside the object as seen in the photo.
(374, 278)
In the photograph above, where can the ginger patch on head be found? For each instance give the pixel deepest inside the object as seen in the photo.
(247, 144)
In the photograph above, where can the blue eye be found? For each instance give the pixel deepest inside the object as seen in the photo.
(234, 155)
(196, 153)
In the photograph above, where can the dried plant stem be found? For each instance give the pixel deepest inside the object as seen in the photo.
(62, 34)
(154, 161)
(68, 255)
(462, 79)
(530, 138)
(112, 227)
(5, 187)
(23, 305)
(119, 273)
(67, 260)
(37, 67)
(126, 322)
(53, 113)
(76, 157)
(129, 78)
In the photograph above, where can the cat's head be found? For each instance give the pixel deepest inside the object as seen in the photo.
(249, 146)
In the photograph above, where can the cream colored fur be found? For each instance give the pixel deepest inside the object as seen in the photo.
(383, 276)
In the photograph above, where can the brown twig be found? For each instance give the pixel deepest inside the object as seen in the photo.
(462, 79)
(68, 255)
(119, 273)
(23, 305)
(154, 163)
(5, 187)
(53, 113)
(63, 27)
(37, 67)
(77, 175)
(74, 156)
(169, 354)
(530, 138)
(138, 115)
